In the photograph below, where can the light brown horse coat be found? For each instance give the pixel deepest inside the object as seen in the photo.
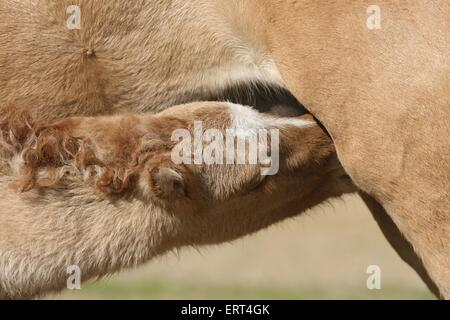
(383, 95)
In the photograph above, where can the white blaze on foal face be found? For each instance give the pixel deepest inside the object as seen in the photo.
(250, 125)
(249, 137)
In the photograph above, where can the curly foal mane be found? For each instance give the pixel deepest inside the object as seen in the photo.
(50, 156)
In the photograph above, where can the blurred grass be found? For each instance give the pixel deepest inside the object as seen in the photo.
(160, 290)
(324, 254)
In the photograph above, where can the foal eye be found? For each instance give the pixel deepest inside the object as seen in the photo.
(167, 183)
(178, 185)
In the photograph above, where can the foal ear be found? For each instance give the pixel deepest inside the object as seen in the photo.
(167, 183)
